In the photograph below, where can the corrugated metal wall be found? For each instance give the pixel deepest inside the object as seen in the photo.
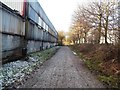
(11, 44)
(12, 31)
(15, 5)
(39, 23)
(37, 14)
(34, 46)
(11, 23)
(35, 32)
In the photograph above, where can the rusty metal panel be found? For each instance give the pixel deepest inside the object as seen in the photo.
(11, 23)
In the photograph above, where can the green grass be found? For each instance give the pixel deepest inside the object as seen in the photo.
(109, 80)
(92, 65)
(46, 54)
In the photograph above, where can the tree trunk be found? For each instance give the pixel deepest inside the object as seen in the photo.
(99, 36)
(106, 37)
(106, 29)
(119, 43)
(85, 38)
(118, 56)
(119, 33)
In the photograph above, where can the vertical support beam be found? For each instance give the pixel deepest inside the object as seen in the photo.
(24, 49)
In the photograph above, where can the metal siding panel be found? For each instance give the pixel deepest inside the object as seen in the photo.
(47, 27)
(5, 23)
(40, 11)
(0, 21)
(33, 14)
(35, 32)
(44, 25)
(15, 5)
(30, 30)
(33, 46)
(41, 34)
(12, 23)
(36, 18)
(40, 21)
(10, 42)
(23, 27)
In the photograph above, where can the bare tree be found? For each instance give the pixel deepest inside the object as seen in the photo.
(61, 36)
(80, 26)
(93, 13)
(100, 19)
(119, 32)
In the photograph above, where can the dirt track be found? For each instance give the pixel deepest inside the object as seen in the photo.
(63, 70)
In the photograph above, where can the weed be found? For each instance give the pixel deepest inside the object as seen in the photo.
(109, 80)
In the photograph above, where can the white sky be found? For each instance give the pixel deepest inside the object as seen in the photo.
(60, 11)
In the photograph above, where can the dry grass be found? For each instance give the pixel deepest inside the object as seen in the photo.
(101, 59)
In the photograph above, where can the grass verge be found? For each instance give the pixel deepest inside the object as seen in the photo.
(101, 61)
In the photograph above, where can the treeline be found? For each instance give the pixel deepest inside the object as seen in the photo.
(95, 33)
(96, 23)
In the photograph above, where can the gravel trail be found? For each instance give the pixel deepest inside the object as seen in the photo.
(63, 70)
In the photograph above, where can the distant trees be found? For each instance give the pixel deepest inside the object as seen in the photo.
(96, 23)
(61, 36)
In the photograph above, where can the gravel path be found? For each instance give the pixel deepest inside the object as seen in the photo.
(63, 70)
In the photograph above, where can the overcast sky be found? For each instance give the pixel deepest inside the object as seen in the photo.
(60, 11)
